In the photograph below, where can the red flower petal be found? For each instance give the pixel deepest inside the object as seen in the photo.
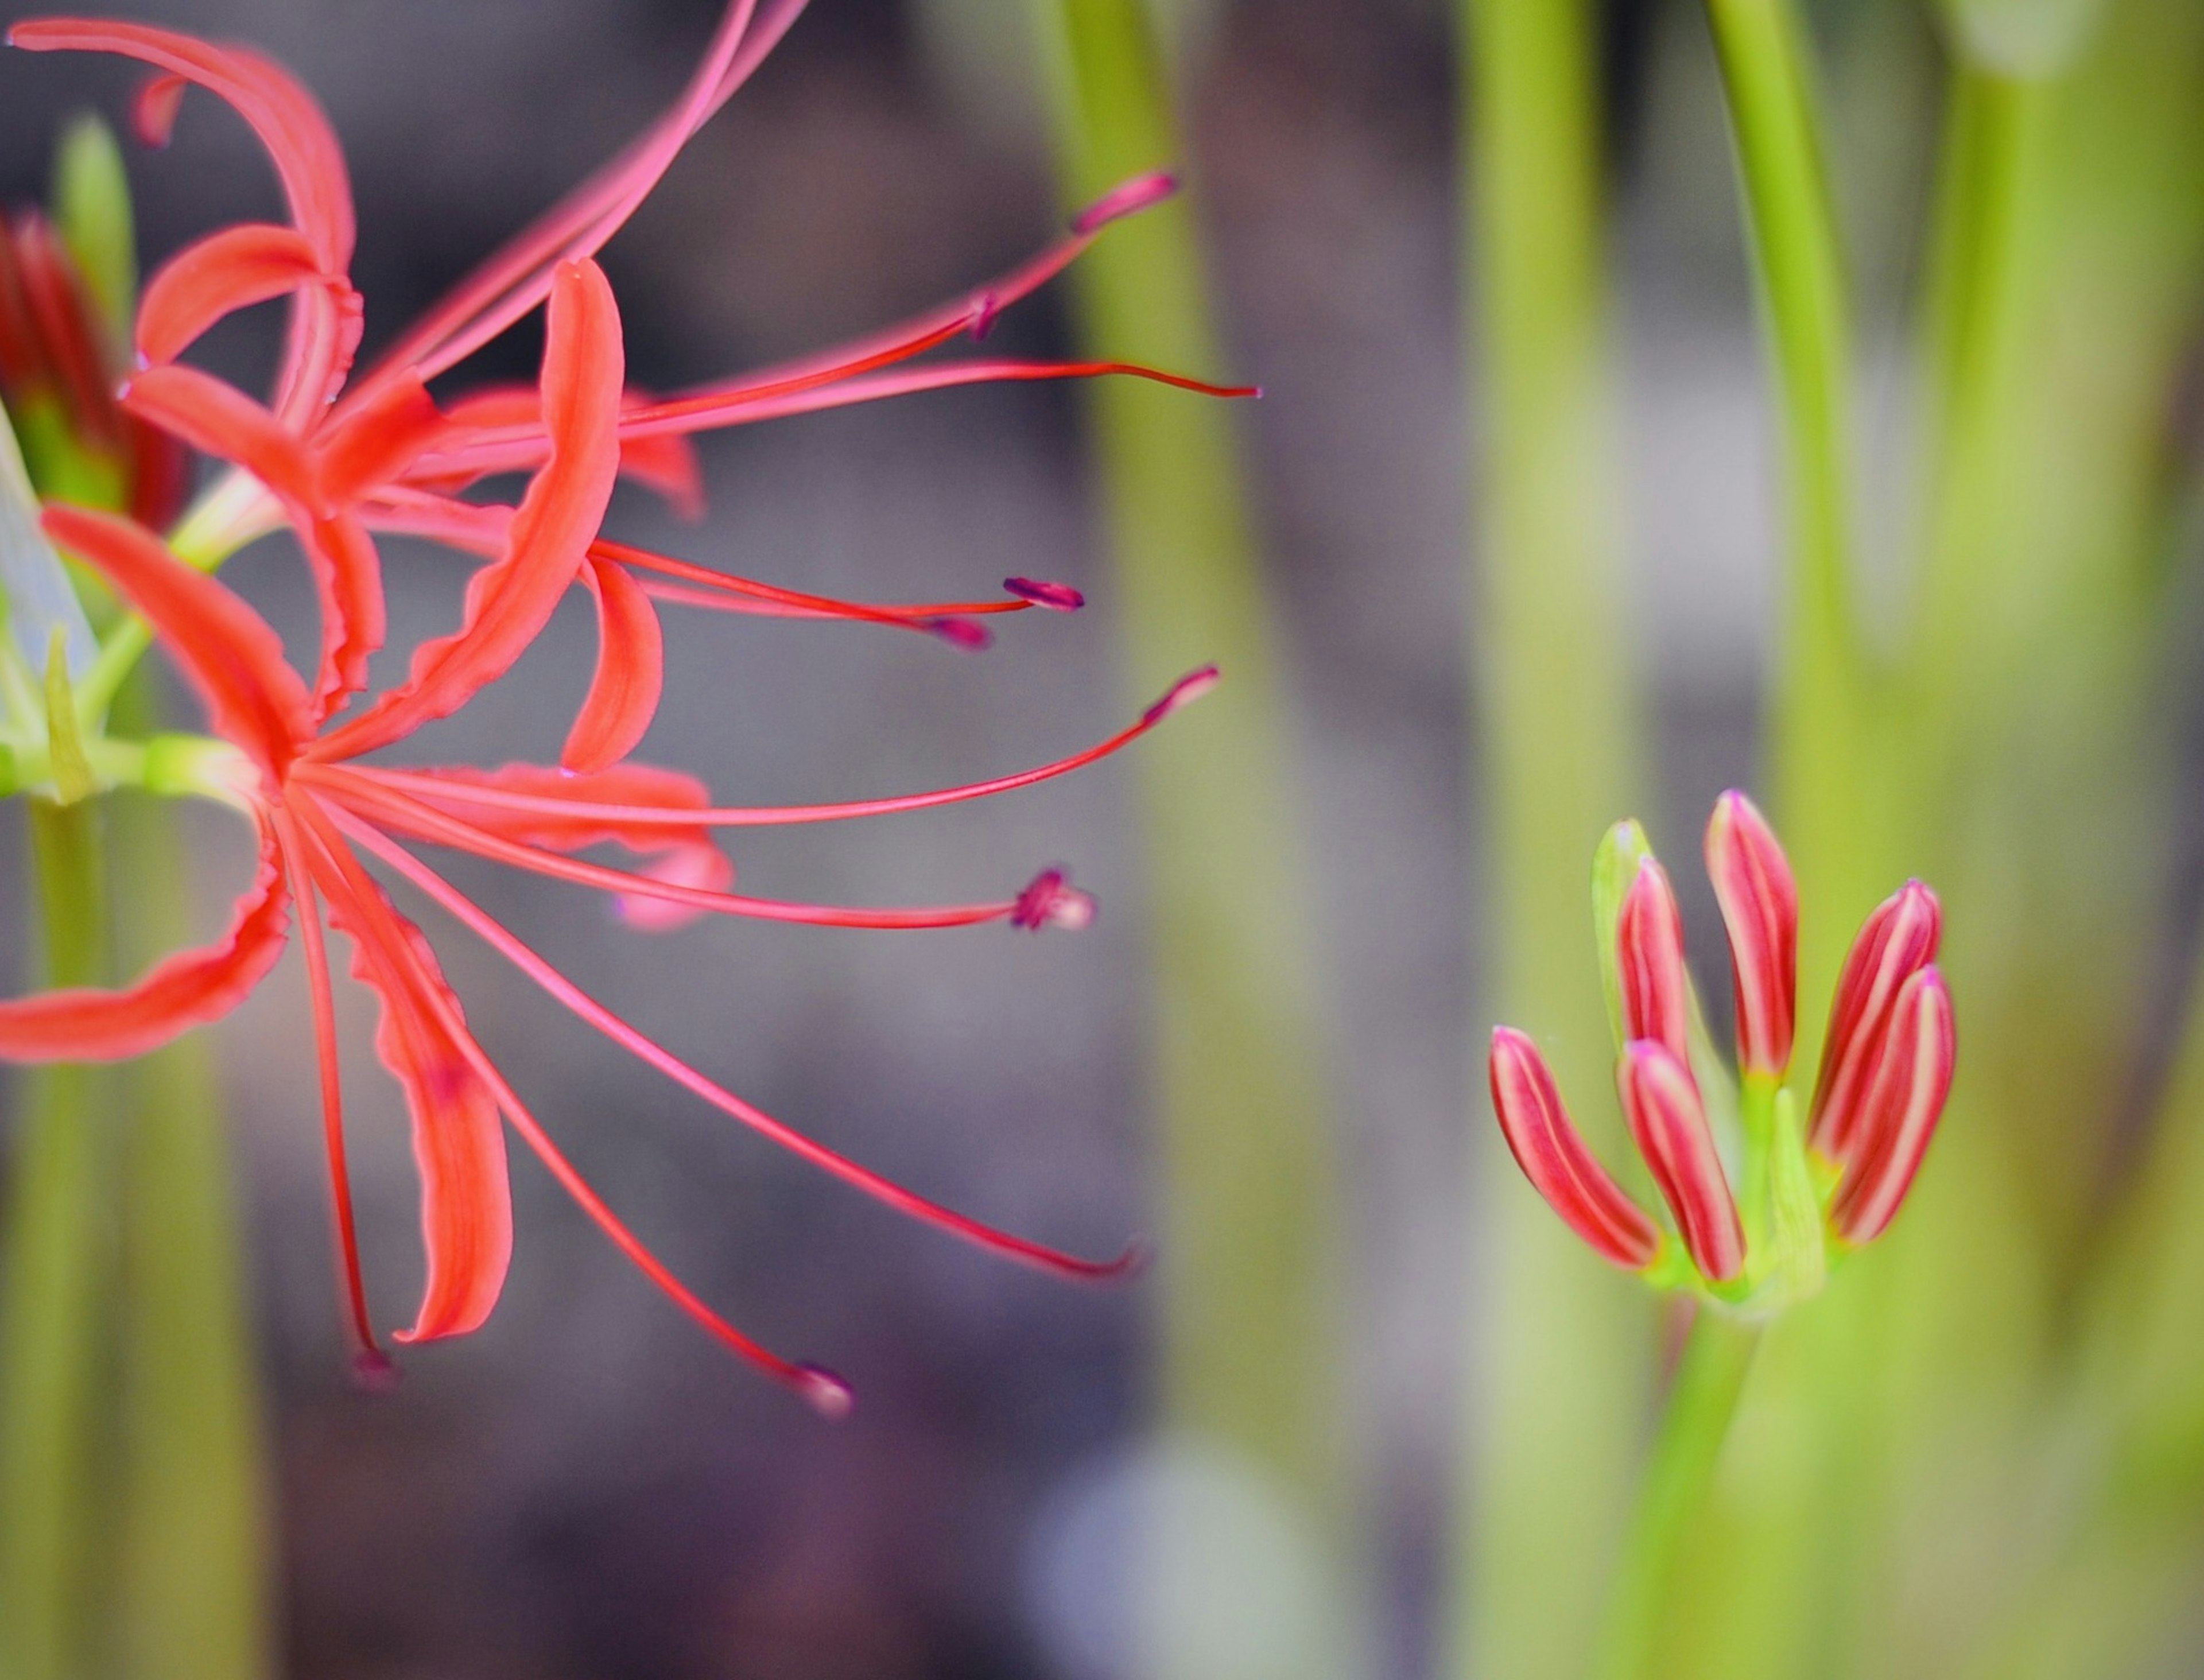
(458, 1144)
(217, 418)
(1899, 1118)
(377, 441)
(510, 601)
(1670, 1124)
(1656, 998)
(224, 272)
(1759, 904)
(220, 420)
(1898, 938)
(666, 465)
(1554, 1157)
(182, 990)
(631, 672)
(225, 649)
(287, 119)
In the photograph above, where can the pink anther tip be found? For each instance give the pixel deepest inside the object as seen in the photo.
(1125, 199)
(986, 309)
(970, 635)
(1050, 901)
(826, 1393)
(1056, 597)
(374, 1372)
(1184, 692)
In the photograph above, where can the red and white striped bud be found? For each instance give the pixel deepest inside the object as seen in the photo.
(1912, 1077)
(1649, 940)
(1670, 1124)
(1555, 1157)
(1895, 943)
(1759, 903)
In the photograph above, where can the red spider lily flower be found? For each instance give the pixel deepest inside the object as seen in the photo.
(340, 458)
(317, 811)
(1886, 1072)
(59, 368)
(1759, 904)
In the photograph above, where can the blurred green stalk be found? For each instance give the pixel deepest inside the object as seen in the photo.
(1564, 1348)
(50, 1379)
(132, 1491)
(1251, 1281)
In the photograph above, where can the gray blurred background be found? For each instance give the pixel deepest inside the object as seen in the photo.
(589, 1486)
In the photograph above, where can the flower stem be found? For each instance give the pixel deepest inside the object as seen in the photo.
(49, 1390)
(1565, 1361)
(1694, 1423)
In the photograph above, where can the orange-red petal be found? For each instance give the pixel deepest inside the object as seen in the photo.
(631, 672)
(509, 601)
(458, 1142)
(182, 990)
(228, 270)
(225, 649)
(287, 119)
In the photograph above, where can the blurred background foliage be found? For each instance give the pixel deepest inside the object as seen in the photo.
(1880, 500)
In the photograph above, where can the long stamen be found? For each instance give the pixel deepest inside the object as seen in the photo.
(370, 1363)
(390, 808)
(510, 946)
(825, 1393)
(1182, 693)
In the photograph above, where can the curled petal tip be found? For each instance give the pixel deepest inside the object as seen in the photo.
(1184, 692)
(153, 112)
(826, 1393)
(374, 1372)
(1056, 597)
(1138, 1254)
(1127, 198)
(1050, 901)
(967, 634)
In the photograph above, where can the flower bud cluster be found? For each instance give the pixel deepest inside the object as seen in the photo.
(1758, 1202)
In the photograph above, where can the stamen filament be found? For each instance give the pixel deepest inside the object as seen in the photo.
(510, 946)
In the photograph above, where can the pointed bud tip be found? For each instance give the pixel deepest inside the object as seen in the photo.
(1184, 692)
(1128, 197)
(826, 1393)
(1056, 597)
(1050, 901)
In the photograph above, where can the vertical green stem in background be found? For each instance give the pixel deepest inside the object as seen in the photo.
(1562, 1346)
(1694, 1423)
(1823, 784)
(190, 1586)
(1249, 1262)
(50, 1336)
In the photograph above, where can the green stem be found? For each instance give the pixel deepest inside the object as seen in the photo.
(1250, 1273)
(1565, 1359)
(48, 1384)
(188, 1600)
(1821, 722)
(1694, 1424)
